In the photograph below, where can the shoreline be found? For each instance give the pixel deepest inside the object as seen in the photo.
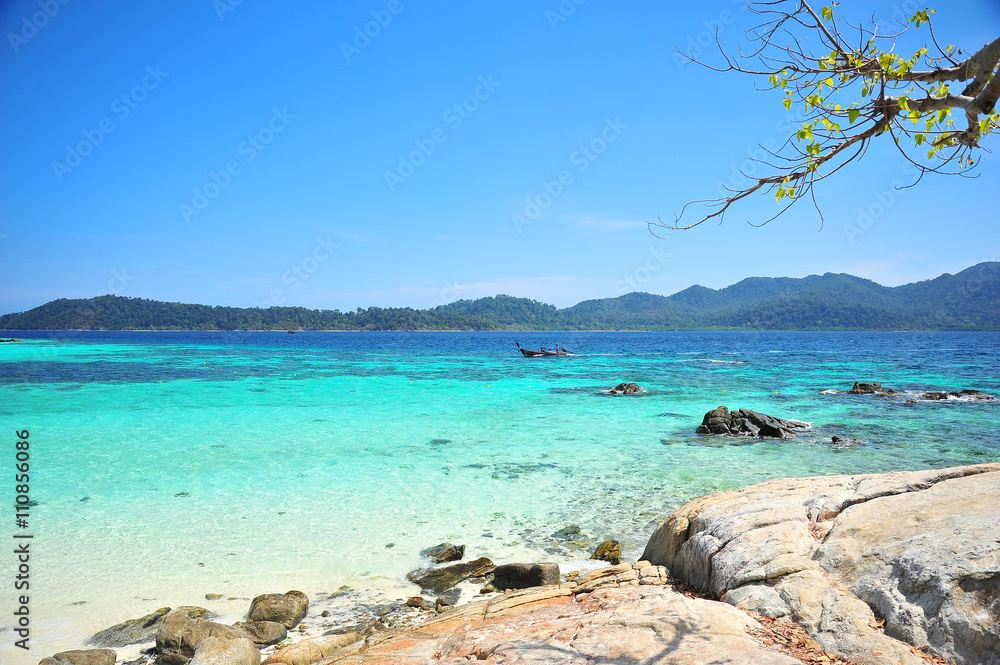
(717, 594)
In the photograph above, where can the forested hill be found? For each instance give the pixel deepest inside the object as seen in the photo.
(969, 300)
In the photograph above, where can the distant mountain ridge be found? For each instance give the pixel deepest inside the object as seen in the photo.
(969, 300)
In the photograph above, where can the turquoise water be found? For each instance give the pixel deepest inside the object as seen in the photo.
(169, 465)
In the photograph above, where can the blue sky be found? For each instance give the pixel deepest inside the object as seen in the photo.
(247, 158)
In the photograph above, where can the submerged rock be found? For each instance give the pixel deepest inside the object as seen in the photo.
(745, 422)
(838, 554)
(610, 551)
(625, 389)
(440, 580)
(444, 552)
(525, 575)
(81, 657)
(287, 608)
(568, 532)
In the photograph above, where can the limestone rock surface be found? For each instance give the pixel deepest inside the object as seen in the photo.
(621, 620)
(839, 554)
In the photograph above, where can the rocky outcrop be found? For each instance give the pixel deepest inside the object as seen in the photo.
(221, 651)
(81, 657)
(745, 422)
(525, 575)
(143, 629)
(444, 552)
(288, 608)
(610, 551)
(311, 651)
(263, 632)
(870, 388)
(442, 579)
(625, 389)
(178, 637)
(620, 614)
(969, 395)
(841, 554)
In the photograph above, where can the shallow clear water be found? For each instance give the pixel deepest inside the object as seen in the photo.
(169, 465)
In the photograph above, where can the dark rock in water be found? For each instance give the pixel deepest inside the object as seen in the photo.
(440, 442)
(179, 636)
(568, 532)
(419, 603)
(489, 588)
(973, 394)
(440, 580)
(287, 608)
(136, 631)
(81, 657)
(935, 396)
(213, 596)
(625, 389)
(525, 575)
(444, 552)
(263, 632)
(610, 551)
(870, 388)
(745, 422)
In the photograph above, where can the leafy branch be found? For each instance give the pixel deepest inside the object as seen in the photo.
(853, 87)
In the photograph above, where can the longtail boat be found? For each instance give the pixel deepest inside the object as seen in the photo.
(557, 351)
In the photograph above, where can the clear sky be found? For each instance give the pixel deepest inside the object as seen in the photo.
(236, 153)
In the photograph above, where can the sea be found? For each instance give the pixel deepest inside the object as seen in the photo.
(165, 466)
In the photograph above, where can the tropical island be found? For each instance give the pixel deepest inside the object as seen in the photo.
(965, 301)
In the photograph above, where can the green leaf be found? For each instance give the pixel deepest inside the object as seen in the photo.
(853, 114)
(919, 138)
(827, 14)
(787, 102)
(904, 104)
